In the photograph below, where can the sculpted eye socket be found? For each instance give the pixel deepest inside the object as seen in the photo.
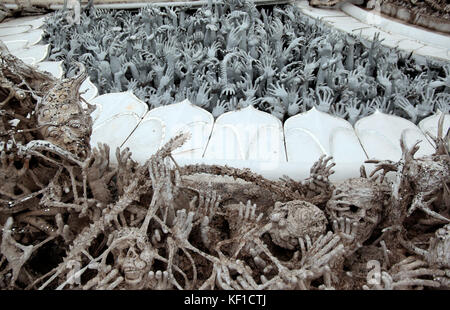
(145, 256)
(74, 123)
(122, 246)
(50, 130)
(53, 134)
(140, 245)
(353, 208)
(440, 232)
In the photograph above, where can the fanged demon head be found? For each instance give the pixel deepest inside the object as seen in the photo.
(63, 119)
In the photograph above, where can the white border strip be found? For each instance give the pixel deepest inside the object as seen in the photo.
(391, 26)
(138, 5)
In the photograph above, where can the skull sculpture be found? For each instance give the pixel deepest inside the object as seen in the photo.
(133, 253)
(360, 200)
(296, 219)
(439, 250)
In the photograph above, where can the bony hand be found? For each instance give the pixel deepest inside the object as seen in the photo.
(160, 280)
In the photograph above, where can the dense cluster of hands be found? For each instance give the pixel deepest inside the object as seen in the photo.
(229, 55)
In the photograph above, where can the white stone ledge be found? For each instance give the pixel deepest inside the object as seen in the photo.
(34, 21)
(123, 4)
(247, 134)
(429, 126)
(353, 20)
(275, 170)
(376, 137)
(53, 67)
(391, 26)
(380, 136)
(163, 123)
(13, 30)
(115, 131)
(122, 120)
(33, 54)
(16, 45)
(33, 37)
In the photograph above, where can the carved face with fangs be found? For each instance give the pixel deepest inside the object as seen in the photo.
(133, 254)
(63, 119)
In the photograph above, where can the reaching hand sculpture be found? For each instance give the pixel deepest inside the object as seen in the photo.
(171, 50)
(162, 226)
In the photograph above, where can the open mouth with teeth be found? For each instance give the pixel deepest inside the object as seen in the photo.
(132, 275)
(78, 149)
(82, 154)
